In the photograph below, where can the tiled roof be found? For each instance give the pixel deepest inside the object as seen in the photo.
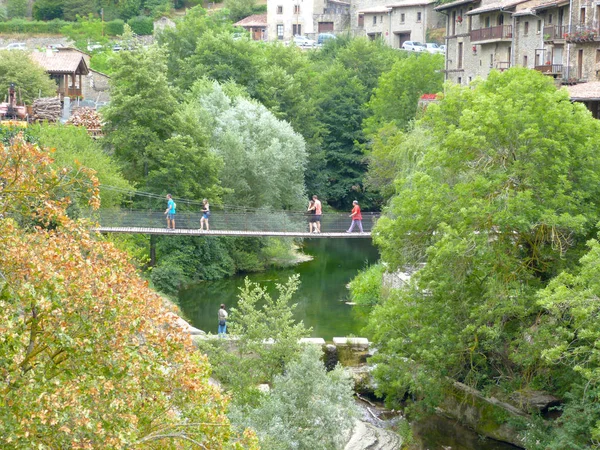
(585, 91)
(255, 20)
(453, 4)
(65, 62)
(411, 3)
(532, 6)
(375, 10)
(495, 6)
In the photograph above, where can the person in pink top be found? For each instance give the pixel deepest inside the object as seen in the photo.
(318, 213)
(356, 218)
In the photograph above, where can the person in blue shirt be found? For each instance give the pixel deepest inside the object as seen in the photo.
(170, 212)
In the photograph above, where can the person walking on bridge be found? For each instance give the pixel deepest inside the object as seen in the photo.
(222, 321)
(311, 216)
(170, 212)
(356, 218)
(318, 214)
(205, 215)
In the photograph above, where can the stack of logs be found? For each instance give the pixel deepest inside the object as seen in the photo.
(46, 108)
(88, 118)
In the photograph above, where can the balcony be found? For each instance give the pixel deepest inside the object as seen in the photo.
(555, 33)
(492, 34)
(502, 65)
(580, 33)
(555, 70)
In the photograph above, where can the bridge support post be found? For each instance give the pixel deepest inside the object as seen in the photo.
(152, 250)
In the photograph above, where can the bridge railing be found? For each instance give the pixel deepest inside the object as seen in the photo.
(256, 220)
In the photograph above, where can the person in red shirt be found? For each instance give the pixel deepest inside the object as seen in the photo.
(356, 218)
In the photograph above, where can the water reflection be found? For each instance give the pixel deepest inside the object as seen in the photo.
(320, 297)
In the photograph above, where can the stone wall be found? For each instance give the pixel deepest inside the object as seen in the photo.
(33, 43)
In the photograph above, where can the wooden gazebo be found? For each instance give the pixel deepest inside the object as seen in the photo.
(66, 68)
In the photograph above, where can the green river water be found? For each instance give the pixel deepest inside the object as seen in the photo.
(320, 298)
(321, 305)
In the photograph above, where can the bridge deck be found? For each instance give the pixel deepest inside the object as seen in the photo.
(192, 232)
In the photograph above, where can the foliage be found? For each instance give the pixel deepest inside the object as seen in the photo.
(398, 91)
(265, 158)
(258, 318)
(85, 31)
(31, 26)
(114, 27)
(73, 147)
(16, 9)
(47, 10)
(29, 78)
(141, 25)
(307, 407)
(499, 202)
(89, 356)
(3, 13)
(238, 9)
(366, 289)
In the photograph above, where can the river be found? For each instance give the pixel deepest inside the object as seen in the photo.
(321, 305)
(321, 297)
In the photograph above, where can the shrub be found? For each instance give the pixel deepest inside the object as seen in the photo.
(167, 278)
(32, 26)
(141, 25)
(114, 27)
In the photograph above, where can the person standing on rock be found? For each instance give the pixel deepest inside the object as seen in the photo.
(356, 217)
(222, 321)
(170, 212)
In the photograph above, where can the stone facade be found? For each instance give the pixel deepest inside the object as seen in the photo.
(287, 18)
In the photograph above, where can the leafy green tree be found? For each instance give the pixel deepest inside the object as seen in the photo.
(74, 147)
(501, 200)
(142, 112)
(307, 407)
(341, 97)
(267, 340)
(397, 94)
(238, 9)
(48, 9)
(16, 8)
(30, 79)
(74, 9)
(84, 31)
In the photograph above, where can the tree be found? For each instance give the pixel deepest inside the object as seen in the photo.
(88, 354)
(16, 8)
(142, 112)
(265, 331)
(397, 94)
(30, 79)
(48, 9)
(307, 407)
(500, 201)
(238, 9)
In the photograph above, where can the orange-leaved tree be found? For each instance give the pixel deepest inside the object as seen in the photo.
(89, 356)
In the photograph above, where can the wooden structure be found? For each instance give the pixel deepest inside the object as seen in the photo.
(66, 68)
(238, 233)
(256, 25)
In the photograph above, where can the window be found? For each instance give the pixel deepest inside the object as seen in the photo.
(526, 30)
(374, 20)
(582, 16)
(280, 31)
(500, 19)
(487, 22)
(459, 63)
(296, 9)
(297, 29)
(597, 56)
(361, 20)
(491, 60)
(380, 19)
(459, 80)
(539, 26)
(524, 60)
(470, 79)
(549, 19)
(402, 17)
(418, 16)
(280, 10)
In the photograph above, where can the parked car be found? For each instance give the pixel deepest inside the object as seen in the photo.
(413, 46)
(16, 46)
(443, 48)
(432, 47)
(324, 37)
(94, 46)
(303, 41)
(117, 48)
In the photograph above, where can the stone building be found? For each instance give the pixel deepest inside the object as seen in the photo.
(396, 23)
(286, 18)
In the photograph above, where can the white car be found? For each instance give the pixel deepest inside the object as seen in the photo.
(432, 47)
(303, 41)
(414, 46)
(16, 46)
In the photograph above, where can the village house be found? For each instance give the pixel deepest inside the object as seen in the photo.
(286, 19)
(397, 23)
(256, 25)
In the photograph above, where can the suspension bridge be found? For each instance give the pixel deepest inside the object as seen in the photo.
(232, 222)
